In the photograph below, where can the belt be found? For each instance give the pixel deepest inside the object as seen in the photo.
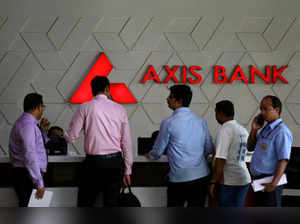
(106, 156)
(262, 176)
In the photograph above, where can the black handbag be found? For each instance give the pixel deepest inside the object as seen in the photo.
(128, 199)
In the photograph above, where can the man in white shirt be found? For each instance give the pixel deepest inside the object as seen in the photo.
(230, 170)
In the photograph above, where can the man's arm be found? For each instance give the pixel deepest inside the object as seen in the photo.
(27, 134)
(281, 166)
(218, 170)
(223, 141)
(76, 125)
(208, 145)
(126, 146)
(283, 145)
(44, 126)
(161, 142)
(252, 136)
(252, 140)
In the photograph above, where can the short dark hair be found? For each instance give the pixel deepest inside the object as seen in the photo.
(182, 92)
(52, 129)
(32, 101)
(226, 107)
(276, 103)
(98, 84)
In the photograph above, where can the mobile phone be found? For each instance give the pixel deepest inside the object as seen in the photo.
(260, 120)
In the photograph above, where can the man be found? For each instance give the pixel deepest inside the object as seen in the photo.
(27, 151)
(230, 170)
(272, 149)
(186, 138)
(107, 141)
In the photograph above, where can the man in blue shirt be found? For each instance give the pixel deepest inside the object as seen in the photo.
(186, 138)
(272, 149)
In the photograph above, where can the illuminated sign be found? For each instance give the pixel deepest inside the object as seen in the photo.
(272, 74)
(119, 91)
(191, 75)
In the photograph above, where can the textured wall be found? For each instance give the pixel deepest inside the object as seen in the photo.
(52, 55)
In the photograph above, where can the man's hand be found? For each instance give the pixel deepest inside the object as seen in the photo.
(269, 187)
(212, 191)
(44, 124)
(126, 180)
(40, 193)
(255, 125)
(147, 155)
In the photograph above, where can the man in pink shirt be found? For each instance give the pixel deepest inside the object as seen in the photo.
(107, 144)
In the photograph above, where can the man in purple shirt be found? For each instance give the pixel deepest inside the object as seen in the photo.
(27, 151)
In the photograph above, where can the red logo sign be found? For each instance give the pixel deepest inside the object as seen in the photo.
(119, 91)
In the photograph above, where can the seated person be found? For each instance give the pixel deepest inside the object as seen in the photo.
(55, 131)
(57, 144)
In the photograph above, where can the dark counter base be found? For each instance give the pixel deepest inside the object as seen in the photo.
(144, 174)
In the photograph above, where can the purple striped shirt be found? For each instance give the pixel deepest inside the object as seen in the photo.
(26, 148)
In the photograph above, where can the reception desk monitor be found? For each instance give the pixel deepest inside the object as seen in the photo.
(145, 144)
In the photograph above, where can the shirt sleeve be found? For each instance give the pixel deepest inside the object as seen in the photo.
(283, 144)
(126, 144)
(208, 145)
(223, 141)
(161, 142)
(45, 136)
(76, 125)
(27, 134)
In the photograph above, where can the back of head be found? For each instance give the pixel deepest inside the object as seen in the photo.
(226, 107)
(183, 93)
(98, 84)
(32, 101)
(55, 131)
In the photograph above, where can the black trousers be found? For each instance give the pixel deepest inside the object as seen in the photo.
(193, 192)
(23, 185)
(100, 174)
(269, 199)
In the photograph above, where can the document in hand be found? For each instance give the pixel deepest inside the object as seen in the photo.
(257, 184)
(44, 202)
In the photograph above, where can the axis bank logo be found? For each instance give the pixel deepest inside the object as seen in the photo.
(192, 74)
(119, 91)
(121, 94)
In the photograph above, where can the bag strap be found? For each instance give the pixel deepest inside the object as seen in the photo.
(129, 188)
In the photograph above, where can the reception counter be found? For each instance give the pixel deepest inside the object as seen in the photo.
(149, 179)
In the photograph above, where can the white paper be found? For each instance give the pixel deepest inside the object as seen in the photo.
(44, 202)
(257, 184)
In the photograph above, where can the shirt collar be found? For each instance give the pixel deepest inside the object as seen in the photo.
(30, 117)
(181, 109)
(100, 96)
(274, 123)
(229, 122)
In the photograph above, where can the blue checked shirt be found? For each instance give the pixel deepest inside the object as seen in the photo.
(186, 138)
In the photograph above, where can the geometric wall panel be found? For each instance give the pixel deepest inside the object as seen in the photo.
(254, 24)
(20, 84)
(52, 55)
(9, 66)
(277, 29)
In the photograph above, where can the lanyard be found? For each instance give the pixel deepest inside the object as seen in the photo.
(266, 136)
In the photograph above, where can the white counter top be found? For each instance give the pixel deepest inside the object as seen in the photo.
(79, 158)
